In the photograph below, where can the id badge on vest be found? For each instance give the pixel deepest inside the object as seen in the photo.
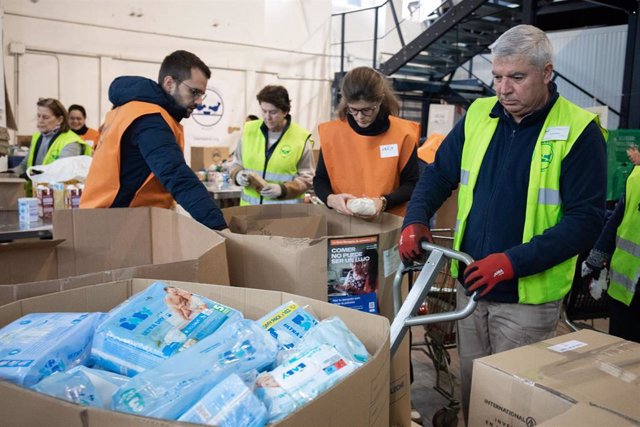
(390, 150)
(556, 133)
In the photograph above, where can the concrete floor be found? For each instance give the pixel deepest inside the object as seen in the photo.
(425, 398)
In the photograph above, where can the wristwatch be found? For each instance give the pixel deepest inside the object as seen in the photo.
(384, 203)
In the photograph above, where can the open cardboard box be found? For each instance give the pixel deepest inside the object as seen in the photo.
(299, 265)
(584, 375)
(11, 189)
(362, 399)
(308, 226)
(203, 157)
(96, 245)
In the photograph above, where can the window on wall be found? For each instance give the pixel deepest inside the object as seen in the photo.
(419, 10)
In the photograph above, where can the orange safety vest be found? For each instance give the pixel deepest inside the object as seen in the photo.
(367, 166)
(103, 181)
(427, 151)
(91, 136)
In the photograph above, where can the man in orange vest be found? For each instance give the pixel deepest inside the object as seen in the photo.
(141, 160)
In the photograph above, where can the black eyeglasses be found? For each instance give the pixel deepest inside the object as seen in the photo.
(195, 93)
(364, 111)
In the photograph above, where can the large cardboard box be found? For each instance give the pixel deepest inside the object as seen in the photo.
(11, 189)
(362, 399)
(108, 244)
(299, 266)
(542, 382)
(203, 157)
(442, 118)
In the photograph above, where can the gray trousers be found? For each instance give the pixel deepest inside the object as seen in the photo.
(494, 327)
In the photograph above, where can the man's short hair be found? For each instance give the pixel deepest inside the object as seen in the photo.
(527, 41)
(276, 95)
(179, 64)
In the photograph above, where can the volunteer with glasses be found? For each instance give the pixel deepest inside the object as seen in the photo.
(367, 151)
(78, 124)
(140, 161)
(274, 149)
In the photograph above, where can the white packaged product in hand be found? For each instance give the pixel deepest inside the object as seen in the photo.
(82, 385)
(39, 344)
(153, 325)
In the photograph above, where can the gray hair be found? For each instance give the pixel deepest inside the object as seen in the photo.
(524, 40)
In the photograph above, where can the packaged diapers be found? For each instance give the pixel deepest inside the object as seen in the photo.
(229, 404)
(175, 385)
(153, 325)
(39, 344)
(300, 379)
(82, 385)
(334, 332)
(288, 324)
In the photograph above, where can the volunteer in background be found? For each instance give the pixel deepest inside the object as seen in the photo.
(277, 150)
(77, 123)
(140, 161)
(54, 139)
(621, 237)
(367, 151)
(531, 171)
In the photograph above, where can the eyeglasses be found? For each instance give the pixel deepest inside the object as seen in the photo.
(364, 111)
(195, 93)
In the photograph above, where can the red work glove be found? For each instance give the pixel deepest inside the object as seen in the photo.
(487, 273)
(410, 245)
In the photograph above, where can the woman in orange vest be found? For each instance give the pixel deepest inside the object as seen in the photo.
(367, 151)
(77, 123)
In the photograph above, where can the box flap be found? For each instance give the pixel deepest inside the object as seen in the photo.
(28, 261)
(29, 245)
(311, 227)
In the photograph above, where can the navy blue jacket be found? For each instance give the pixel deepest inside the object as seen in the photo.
(496, 221)
(149, 145)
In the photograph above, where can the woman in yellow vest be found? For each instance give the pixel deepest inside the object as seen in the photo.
(78, 124)
(273, 161)
(621, 237)
(54, 139)
(367, 151)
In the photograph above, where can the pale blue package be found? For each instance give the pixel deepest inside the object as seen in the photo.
(82, 385)
(169, 389)
(153, 325)
(39, 344)
(301, 378)
(288, 324)
(230, 403)
(334, 332)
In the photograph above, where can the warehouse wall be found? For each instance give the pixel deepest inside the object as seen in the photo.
(73, 49)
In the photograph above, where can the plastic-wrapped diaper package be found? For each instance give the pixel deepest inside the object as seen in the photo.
(288, 324)
(229, 404)
(153, 325)
(300, 379)
(82, 385)
(333, 331)
(169, 389)
(39, 344)
(362, 206)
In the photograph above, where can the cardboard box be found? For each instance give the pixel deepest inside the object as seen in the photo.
(542, 382)
(442, 118)
(11, 189)
(311, 227)
(203, 157)
(299, 266)
(360, 400)
(108, 244)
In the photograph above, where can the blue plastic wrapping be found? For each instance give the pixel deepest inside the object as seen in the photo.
(288, 324)
(153, 325)
(334, 332)
(300, 379)
(39, 344)
(175, 385)
(82, 385)
(228, 404)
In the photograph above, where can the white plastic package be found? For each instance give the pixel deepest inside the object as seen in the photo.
(39, 344)
(362, 206)
(82, 385)
(230, 403)
(334, 332)
(153, 325)
(288, 324)
(171, 388)
(300, 379)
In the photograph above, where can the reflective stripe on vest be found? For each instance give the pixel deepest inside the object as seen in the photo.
(544, 206)
(103, 181)
(53, 152)
(356, 164)
(283, 163)
(625, 263)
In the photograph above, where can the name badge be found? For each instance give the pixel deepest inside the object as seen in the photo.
(390, 150)
(556, 133)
